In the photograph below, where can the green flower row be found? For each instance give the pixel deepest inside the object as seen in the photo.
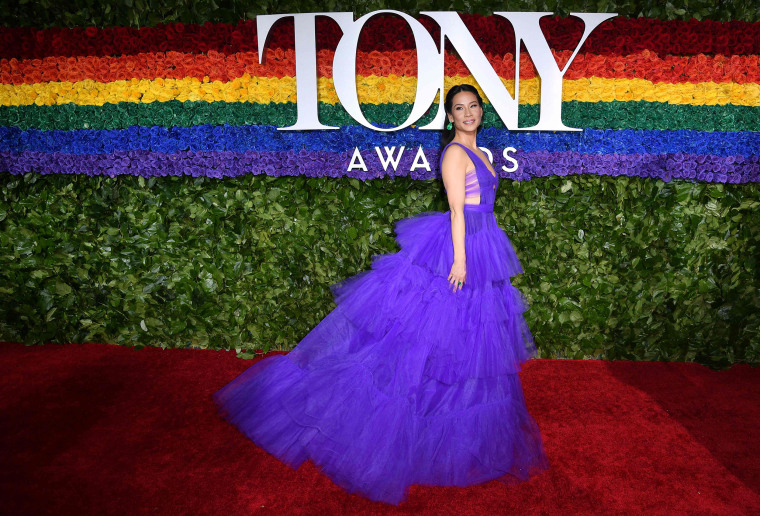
(592, 115)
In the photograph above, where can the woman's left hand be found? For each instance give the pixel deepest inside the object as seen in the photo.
(457, 275)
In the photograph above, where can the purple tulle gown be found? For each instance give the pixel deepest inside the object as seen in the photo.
(406, 382)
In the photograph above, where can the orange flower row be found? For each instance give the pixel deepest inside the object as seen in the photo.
(281, 63)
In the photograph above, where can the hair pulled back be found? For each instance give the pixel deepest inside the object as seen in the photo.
(448, 134)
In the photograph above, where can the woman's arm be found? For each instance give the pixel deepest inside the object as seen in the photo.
(453, 171)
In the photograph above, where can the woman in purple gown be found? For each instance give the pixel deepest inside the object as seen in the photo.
(413, 377)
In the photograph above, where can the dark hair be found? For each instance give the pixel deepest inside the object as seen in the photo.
(448, 134)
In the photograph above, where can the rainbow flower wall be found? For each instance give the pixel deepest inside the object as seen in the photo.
(668, 100)
(148, 199)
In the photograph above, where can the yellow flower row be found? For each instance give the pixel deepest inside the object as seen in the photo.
(372, 90)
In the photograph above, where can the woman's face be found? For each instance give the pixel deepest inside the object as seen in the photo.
(466, 112)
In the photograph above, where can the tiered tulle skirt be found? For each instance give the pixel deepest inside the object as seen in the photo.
(405, 382)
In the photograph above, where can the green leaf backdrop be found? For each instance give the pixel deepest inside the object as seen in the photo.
(615, 267)
(137, 13)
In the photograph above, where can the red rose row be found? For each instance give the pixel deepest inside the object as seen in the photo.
(619, 36)
(281, 63)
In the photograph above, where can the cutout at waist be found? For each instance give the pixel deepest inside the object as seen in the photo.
(478, 207)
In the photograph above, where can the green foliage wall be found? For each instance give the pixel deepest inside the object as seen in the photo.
(614, 267)
(136, 13)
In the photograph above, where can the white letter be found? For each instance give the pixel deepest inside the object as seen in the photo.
(357, 157)
(429, 71)
(389, 159)
(488, 153)
(528, 31)
(507, 156)
(306, 62)
(417, 164)
(455, 30)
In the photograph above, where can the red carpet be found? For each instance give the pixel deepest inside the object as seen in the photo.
(96, 429)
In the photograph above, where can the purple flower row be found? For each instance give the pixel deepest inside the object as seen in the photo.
(699, 167)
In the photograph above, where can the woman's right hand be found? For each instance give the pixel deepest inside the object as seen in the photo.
(457, 275)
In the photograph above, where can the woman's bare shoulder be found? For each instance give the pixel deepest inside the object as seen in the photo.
(454, 156)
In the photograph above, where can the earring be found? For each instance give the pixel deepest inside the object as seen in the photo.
(449, 126)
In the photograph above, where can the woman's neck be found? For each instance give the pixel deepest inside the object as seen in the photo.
(468, 140)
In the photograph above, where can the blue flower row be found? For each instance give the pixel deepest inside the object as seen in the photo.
(269, 139)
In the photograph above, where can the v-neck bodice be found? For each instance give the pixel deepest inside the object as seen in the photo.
(478, 182)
